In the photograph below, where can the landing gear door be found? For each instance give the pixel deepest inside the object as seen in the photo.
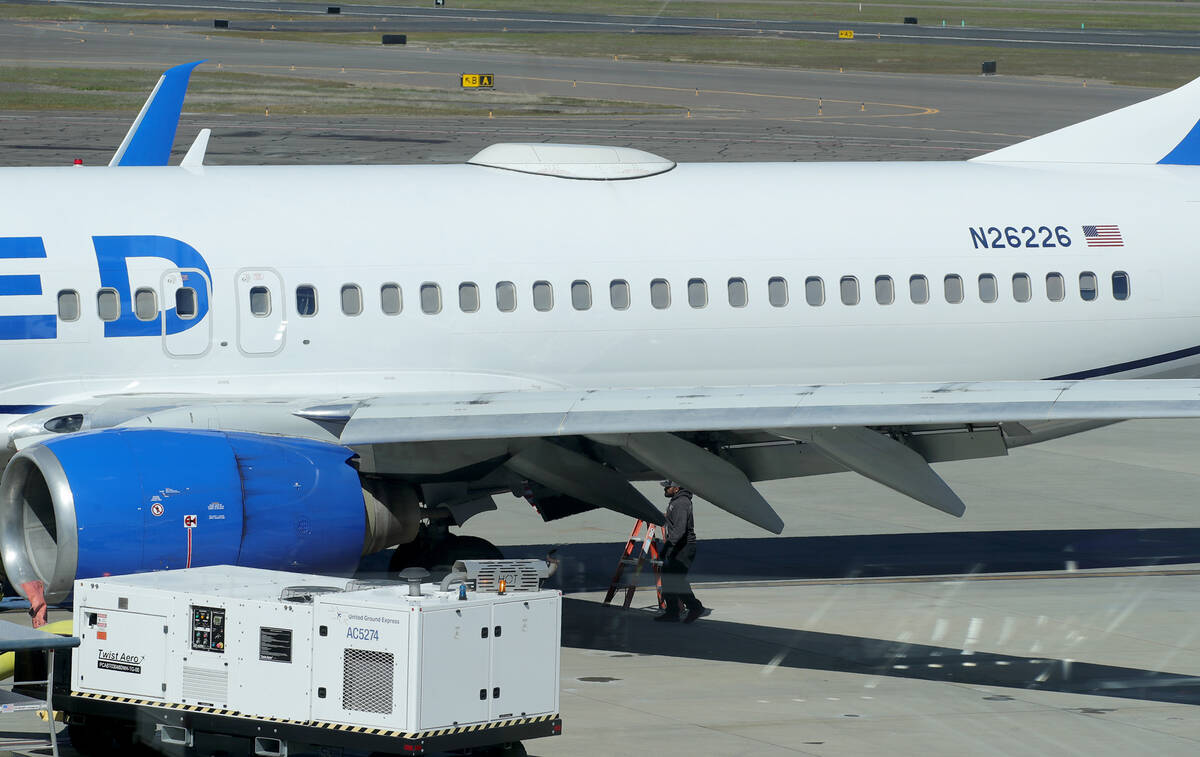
(262, 322)
(187, 323)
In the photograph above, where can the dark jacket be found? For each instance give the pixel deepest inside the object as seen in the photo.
(681, 530)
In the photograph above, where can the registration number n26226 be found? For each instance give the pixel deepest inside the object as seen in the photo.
(1019, 237)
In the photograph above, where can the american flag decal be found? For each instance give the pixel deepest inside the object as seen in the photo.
(1103, 236)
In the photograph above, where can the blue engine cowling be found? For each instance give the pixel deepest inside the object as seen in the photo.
(132, 500)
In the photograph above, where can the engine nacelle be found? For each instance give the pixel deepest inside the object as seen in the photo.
(133, 500)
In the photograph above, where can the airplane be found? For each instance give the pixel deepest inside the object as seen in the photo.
(291, 367)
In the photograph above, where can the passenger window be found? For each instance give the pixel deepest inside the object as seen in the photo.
(581, 295)
(697, 293)
(987, 287)
(814, 291)
(1022, 287)
(68, 305)
(108, 305)
(953, 286)
(918, 289)
(618, 294)
(777, 291)
(431, 298)
(1120, 282)
(543, 296)
(1056, 287)
(885, 290)
(391, 299)
(1087, 286)
(468, 297)
(351, 299)
(506, 296)
(660, 294)
(260, 302)
(849, 286)
(738, 294)
(145, 304)
(185, 303)
(306, 300)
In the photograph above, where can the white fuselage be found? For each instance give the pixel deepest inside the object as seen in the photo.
(328, 227)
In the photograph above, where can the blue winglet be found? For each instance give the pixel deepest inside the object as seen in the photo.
(1187, 152)
(152, 134)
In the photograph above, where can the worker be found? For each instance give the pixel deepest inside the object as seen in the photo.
(679, 551)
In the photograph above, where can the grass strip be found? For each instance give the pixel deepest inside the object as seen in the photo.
(224, 92)
(115, 14)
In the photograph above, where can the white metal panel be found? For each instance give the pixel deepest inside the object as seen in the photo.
(261, 333)
(260, 683)
(121, 653)
(455, 681)
(525, 656)
(345, 634)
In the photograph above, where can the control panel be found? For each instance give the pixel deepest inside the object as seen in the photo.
(208, 628)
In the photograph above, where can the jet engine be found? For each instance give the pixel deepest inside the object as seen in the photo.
(124, 501)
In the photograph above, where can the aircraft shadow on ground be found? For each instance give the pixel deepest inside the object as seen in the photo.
(590, 625)
(590, 566)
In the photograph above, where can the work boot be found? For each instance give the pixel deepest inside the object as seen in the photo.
(694, 613)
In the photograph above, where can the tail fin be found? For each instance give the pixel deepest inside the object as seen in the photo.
(152, 134)
(1163, 129)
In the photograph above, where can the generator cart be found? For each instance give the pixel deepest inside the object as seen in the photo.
(231, 660)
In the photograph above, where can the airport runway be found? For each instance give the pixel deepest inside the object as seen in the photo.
(721, 112)
(401, 18)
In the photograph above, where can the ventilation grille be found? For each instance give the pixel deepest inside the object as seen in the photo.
(518, 575)
(204, 686)
(367, 681)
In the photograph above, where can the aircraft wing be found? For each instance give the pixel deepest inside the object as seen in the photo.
(409, 418)
(858, 427)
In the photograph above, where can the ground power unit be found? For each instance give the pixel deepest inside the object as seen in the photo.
(265, 662)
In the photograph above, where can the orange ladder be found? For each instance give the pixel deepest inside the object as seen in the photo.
(649, 538)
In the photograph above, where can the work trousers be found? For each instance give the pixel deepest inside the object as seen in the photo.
(675, 585)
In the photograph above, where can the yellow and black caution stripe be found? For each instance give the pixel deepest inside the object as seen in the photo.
(343, 727)
(417, 735)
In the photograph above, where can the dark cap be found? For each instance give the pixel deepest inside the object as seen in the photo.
(668, 484)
